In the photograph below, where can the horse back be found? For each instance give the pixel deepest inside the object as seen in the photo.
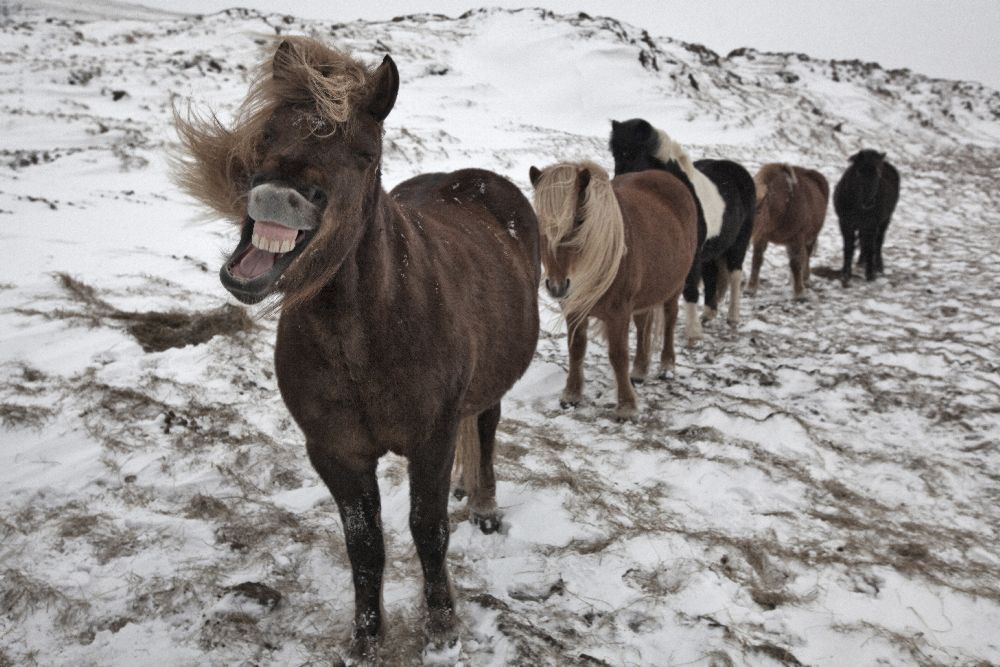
(811, 199)
(452, 197)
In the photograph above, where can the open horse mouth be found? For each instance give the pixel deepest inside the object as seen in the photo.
(279, 225)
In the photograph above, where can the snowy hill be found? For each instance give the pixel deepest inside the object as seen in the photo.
(818, 487)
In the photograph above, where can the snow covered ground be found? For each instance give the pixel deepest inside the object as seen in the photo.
(820, 486)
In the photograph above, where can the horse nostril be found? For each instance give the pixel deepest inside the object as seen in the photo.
(566, 286)
(316, 197)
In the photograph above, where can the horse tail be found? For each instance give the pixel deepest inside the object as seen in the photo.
(465, 472)
(790, 176)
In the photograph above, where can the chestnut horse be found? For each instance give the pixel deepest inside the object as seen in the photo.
(865, 197)
(725, 193)
(405, 317)
(615, 250)
(791, 208)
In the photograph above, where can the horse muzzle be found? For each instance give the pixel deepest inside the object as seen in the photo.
(280, 222)
(558, 289)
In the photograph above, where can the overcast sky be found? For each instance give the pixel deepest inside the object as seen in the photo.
(949, 39)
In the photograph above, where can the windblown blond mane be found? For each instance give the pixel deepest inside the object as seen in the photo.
(218, 161)
(599, 241)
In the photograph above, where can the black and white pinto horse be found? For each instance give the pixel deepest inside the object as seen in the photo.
(726, 196)
(864, 200)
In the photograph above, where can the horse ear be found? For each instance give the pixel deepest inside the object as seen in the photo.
(881, 156)
(582, 181)
(282, 60)
(534, 174)
(384, 87)
(615, 125)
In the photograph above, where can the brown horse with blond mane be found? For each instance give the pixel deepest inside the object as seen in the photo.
(615, 250)
(791, 208)
(405, 317)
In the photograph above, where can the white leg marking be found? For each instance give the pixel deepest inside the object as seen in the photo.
(735, 292)
(692, 323)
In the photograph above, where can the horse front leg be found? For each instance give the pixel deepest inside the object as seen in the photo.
(710, 277)
(644, 330)
(617, 328)
(879, 240)
(869, 235)
(691, 322)
(847, 232)
(577, 340)
(354, 487)
(430, 472)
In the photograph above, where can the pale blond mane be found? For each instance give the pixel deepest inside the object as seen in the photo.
(712, 205)
(218, 160)
(598, 242)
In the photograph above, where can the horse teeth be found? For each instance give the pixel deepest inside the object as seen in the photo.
(257, 241)
(275, 245)
(287, 245)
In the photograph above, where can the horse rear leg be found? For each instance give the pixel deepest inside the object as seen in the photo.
(355, 489)
(797, 258)
(644, 330)
(759, 246)
(667, 359)
(429, 476)
(810, 247)
(476, 439)
(617, 329)
(577, 341)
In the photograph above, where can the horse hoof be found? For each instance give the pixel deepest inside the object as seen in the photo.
(666, 376)
(733, 323)
(459, 493)
(568, 400)
(636, 381)
(626, 412)
(363, 652)
(488, 523)
(442, 651)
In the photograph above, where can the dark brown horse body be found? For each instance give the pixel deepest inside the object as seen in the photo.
(791, 208)
(405, 317)
(658, 221)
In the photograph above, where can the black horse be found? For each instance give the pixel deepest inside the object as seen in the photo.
(726, 194)
(864, 199)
